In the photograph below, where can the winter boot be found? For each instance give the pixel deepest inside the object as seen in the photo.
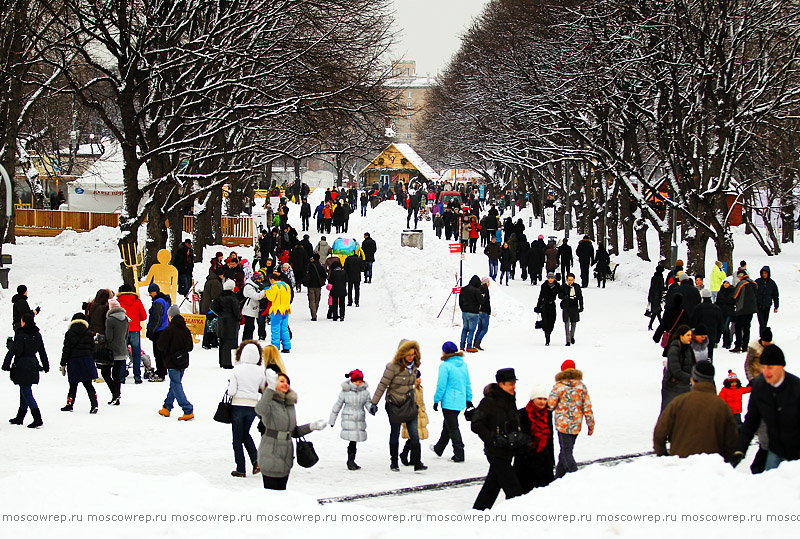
(393, 450)
(93, 400)
(416, 454)
(20, 416)
(68, 407)
(37, 419)
(351, 458)
(404, 454)
(477, 344)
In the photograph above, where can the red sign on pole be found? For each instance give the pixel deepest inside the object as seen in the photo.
(456, 290)
(455, 248)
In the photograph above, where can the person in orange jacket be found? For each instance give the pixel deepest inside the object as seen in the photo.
(129, 300)
(731, 393)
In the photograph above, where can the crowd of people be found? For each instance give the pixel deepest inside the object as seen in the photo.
(240, 299)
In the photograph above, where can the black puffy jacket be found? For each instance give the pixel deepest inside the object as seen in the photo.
(767, 290)
(353, 266)
(470, 298)
(78, 342)
(21, 359)
(338, 281)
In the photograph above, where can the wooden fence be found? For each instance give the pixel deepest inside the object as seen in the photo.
(49, 223)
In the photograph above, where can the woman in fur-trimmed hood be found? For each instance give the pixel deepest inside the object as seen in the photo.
(77, 361)
(569, 400)
(398, 380)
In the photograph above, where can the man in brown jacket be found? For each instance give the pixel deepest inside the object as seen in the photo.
(698, 421)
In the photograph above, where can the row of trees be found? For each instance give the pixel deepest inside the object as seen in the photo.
(635, 114)
(201, 93)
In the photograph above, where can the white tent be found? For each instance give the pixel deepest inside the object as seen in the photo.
(100, 188)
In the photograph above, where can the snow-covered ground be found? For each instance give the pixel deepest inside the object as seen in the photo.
(128, 462)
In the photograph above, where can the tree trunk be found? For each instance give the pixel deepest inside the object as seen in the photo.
(724, 247)
(696, 258)
(203, 234)
(665, 246)
(628, 220)
(235, 197)
(787, 209)
(216, 216)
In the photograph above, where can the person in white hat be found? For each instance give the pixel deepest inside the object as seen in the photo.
(535, 468)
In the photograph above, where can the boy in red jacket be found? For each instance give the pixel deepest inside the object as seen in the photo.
(731, 393)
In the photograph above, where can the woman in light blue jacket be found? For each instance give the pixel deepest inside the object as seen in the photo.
(454, 392)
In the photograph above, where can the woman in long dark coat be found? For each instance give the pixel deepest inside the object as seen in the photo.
(546, 306)
(229, 315)
(535, 468)
(24, 367)
(77, 361)
(655, 295)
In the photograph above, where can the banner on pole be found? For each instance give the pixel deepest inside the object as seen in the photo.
(456, 290)
(455, 248)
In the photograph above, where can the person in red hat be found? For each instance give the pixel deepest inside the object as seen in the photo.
(731, 393)
(355, 399)
(569, 400)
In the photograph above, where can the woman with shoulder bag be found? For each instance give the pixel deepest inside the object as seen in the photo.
(277, 413)
(176, 342)
(398, 382)
(248, 378)
(678, 366)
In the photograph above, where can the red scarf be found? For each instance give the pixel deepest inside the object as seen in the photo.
(540, 429)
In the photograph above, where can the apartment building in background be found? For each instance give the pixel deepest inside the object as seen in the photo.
(410, 100)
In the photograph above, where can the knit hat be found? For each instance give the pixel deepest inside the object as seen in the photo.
(125, 288)
(174, 310)
(731, 376)
(742, 271)
(772, 355)
(21, 289)
(728, 280)
(484, 280)
(505, 375)
(683, 277)
(541, 236)
(700, 329)
(112, 303)
(449, 348)
(705, 293)
(766, 335)
(660, 268)
(718, 264)
(355, 375)
(219, 254)
(539, 392)
(551, 275)
(80, 316)
(703, 371)
(229, 284)
(679, 262)
(153, 288)
(568, 364)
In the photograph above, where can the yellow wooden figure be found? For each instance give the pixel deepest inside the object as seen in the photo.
(163, 274)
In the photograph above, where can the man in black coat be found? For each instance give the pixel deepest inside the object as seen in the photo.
(711, 317)
(305, 214)
(564, 259)
(314, 280)
(369, 247)
(536, 259)
(184, 263)
(746, 297)
(469, 301)
(338, 282)
(298, 259)
(450, 224)
(497, 415)
(585, 253)
(691, 296)
(571, 305)
(775, 400)
(767, 295)
(353, 266)
(655, 295)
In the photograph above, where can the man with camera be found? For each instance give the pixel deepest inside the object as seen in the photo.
(496, 421)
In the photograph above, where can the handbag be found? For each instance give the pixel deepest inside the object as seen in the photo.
(647, 313)
(306, 456)
(404, 411)
(665, 337)
(103, 355)
(516, 440)
(223, 413)
(539, 324)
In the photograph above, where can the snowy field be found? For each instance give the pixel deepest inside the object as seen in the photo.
(127, 472)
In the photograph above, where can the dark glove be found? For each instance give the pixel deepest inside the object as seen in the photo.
(10, 343)
(435, 406)
(470, 405)
(37, 310)
(46, 369)
(736, 458)
(373, 409)
(580, 310)
(537, 309)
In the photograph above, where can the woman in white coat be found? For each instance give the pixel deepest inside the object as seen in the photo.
(246, 383)
(355, 398)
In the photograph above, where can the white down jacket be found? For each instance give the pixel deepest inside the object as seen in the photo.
(247, 377)
(354, 420)
(252, 291)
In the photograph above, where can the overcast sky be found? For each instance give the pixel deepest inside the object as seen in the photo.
(430, 30)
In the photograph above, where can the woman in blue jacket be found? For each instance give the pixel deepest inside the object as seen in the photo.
(454, 392)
